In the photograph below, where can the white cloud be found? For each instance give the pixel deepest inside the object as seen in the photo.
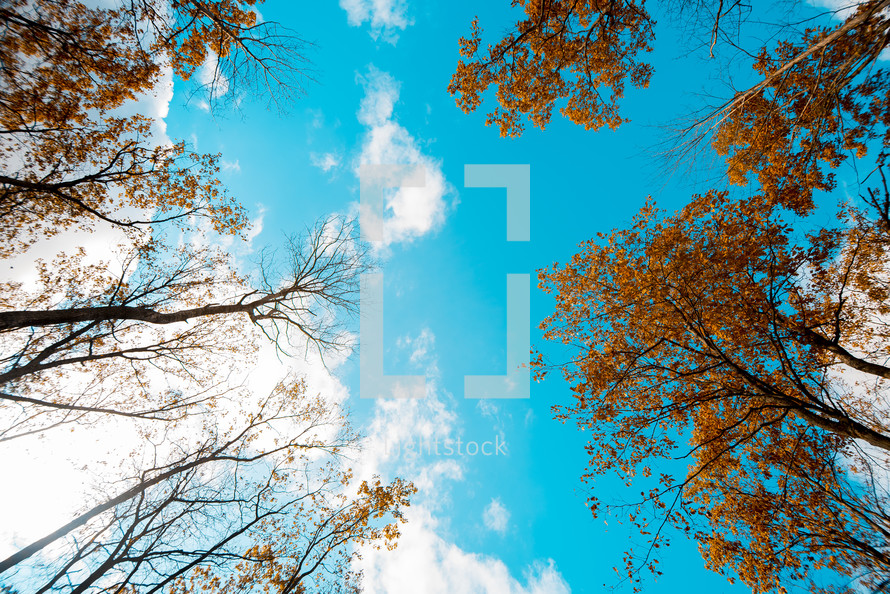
(256, 227)
(231, 166)
(496, 517)
(398, 422)
(426, 560)
(154, 104)
(317, 120)
(381, 94)
(385, 17)
(500, 419)
(529, 417)
(325, 161)
(841, 8)
(211, 78)
(97, 244)
(487, 408)
(412, 212)
(419, 345)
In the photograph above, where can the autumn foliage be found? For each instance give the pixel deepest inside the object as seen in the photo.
(730, 358)
(581, 52)
(697, 341)
(820, 102)
(225, 488)
(71, 160)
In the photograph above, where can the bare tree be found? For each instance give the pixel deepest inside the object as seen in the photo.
(241, 52)
(172, 321)
(234, 508)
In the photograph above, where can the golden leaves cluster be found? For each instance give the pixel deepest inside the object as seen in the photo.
(723, 335)
(68, 159)
(581, 54)
(696, 340)
(813, 111)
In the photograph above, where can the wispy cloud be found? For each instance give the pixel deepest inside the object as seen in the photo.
(488, 408)
(426, 560)
(385, 17)
(409, 213)
(325, 161)
(841, 8)
(256, 226)
(231, 166)
(211, 77)
(419, 345)
(317, 119)
(496, 517)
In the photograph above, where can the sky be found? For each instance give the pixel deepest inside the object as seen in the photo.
(514, 521)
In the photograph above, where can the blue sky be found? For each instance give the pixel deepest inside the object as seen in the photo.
(506, 523)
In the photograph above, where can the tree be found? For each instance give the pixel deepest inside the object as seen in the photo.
(725, 336)
(697, 341)
(269, 512)
(820, 102)
(146, 340)
(817, 100)
(585, 53)
(156, 334)
(560, 50)
(70, 160)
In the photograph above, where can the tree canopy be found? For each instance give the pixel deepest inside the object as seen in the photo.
(736, 336)
(72, 160)
(151, 338)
